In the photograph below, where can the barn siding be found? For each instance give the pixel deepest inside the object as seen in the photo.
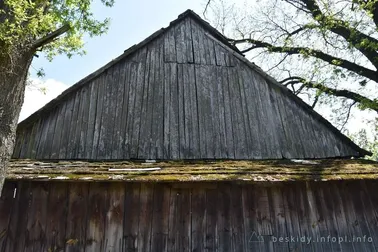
(181, 96)
(53, 216)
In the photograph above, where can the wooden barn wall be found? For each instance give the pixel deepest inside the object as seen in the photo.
(182, 96)
(90, 216)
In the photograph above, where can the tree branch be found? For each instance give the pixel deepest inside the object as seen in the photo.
(50, 37)
(363, 71)
(354, 37)
(362, 100)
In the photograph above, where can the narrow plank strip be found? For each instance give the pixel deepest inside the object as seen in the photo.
(237, 224)
(60, 124)
(92, 113)
(57, 209)
(131, 219)
(211, 219)
(75, 236)
(86, 95)
(7, 206)
(117, 141)
(198, 208)
(66, 129)
(145, 217)
(224, 226)
(173, 113)
(100, 83)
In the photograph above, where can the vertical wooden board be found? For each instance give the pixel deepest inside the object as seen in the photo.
(145, 216)
(16, 237)
(125, 79)
(219, 94)
(237, 223)
(181, 112)
(209, 48)
(252, 115)
(224, 212)
(83, 144)
(7, 205)
(77, 130)
(46, 152)
(34, 129)
(137, 110)
(191, 111)
(59, 125)
(36, 235)
(17, 145)
(307, 134)
(157, 104)
(172, 243)
(167, 111)
(131, 218)
(183, 223)
(170, 46)
(92, 103)
(66, 129)
(211, 220)
(323, 224)
(110, 121)
(368, 205)
(253, 240)
(114, 217)
(214, 112)
(76, 223)
(220, 55)
(353, 195)
(291, 217)
(118, 89)
(355, 224)
(229, 124)
(198, 221)
(98, 207)
(73, 130)
(320, 152)
(278, 215)
(25, 142)
(43, 138)
(188, 41)
(264, 219)
(147, 105)
(100, 83)
(237, 117)
(314, 218)
(106, 129)
(57, 208)
(198, 48)
(131, 87)
(173, 113)
(160, 217)
(181, 42)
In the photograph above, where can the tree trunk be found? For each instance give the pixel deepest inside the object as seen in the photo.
(13, 73)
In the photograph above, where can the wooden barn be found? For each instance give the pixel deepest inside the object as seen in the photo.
(182, 144)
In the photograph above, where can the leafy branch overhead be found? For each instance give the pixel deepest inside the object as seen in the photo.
(52, 26)
(330, 47)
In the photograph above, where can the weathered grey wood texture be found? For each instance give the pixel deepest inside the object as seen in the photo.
(181, 95)
(111, 216)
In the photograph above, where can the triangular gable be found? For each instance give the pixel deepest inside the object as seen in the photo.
(183, 93)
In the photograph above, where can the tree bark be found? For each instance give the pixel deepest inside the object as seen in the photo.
(13, 73)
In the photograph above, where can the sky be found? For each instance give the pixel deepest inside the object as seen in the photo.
(131, 22)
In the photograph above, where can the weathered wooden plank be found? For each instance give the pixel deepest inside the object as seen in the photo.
(145, 216)
(147, 106)
(114, 217)
(98, 205)
(90, 127)
(183, 223)
(198, 47)
(367, 202)
(131, 219)
(237, 117)
(157, 131)
(138, 89)
(264, 219)
(224, 227)
(7, 205)
(118, 93)
(16, 238)
(57, 208)
(182, 134)
(46, 150)
(100, 86)
(160, 217)
(209, 48)
(211, 219)
(251, 115)
(73, 127)
(183, 41)
(84, 111)
(214, 115)
(198, 219)
(172, 242)
(170, 46)
(77, 215)
(237, 223)
(17, 145)
(25, 142)
(35, 239)
(173, 112)
(79, 118)
(43, 137)
(59, 125)
(221, 122)
(106, 129)
(66, 130)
